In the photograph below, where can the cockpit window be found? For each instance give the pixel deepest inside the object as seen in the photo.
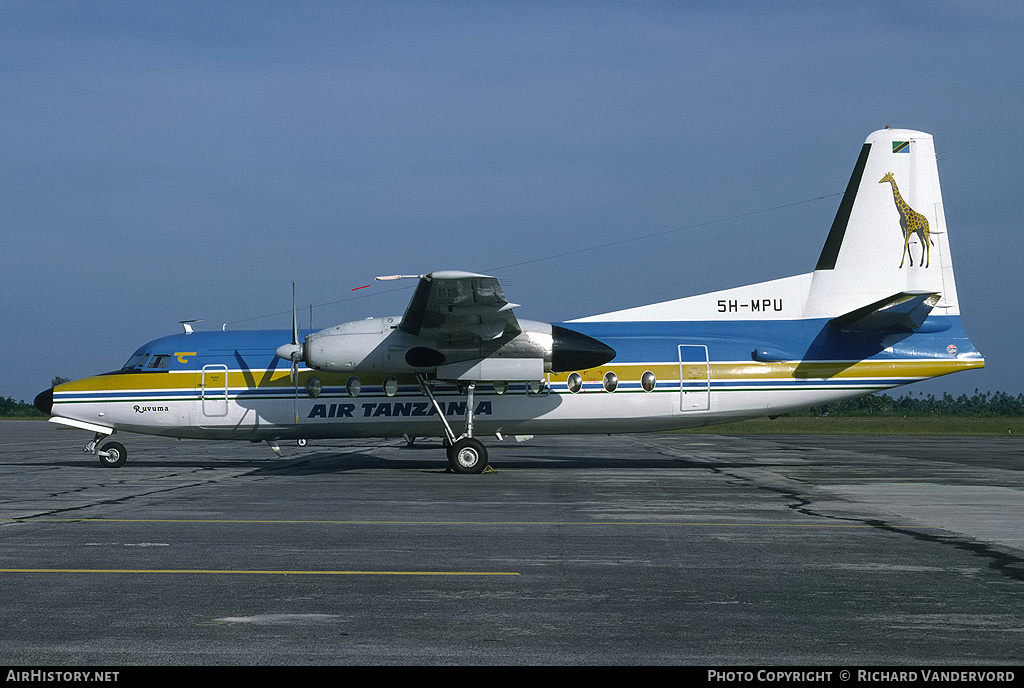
(160, 361)
(134, 362)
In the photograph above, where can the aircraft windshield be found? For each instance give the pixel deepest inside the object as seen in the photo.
(134, 362)
(148, 361)
(160, 361)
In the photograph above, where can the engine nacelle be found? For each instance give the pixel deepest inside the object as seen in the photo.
(357, 346)
(379, 346)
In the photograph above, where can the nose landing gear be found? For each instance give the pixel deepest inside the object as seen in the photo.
(112, 454)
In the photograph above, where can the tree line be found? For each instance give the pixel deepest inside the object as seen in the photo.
(9, 408)
(979, 404)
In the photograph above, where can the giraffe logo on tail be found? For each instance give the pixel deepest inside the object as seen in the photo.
(912, 222)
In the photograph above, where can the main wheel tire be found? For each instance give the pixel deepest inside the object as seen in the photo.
(116, 455)
(468, 455)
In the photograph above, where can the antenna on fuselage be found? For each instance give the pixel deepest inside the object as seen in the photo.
(187, 324)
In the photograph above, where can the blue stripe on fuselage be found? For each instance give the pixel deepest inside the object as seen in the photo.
(812, 340)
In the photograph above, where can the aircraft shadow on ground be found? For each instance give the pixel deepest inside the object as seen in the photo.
(323, 462)
(426, 456)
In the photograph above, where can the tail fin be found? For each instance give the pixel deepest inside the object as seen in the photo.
(889, 235)
(885, 264)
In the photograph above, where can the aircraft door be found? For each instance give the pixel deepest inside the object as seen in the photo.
(694, 378)
(215, 391)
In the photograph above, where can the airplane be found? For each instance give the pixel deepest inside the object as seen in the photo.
(879, 310)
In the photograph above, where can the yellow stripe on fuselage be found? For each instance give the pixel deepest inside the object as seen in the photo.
(754, 370)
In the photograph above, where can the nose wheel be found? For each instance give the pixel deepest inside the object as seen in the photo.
(112, 455)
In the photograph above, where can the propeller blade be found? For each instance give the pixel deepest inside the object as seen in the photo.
(295, 356)
(295, 322)
(293, 351)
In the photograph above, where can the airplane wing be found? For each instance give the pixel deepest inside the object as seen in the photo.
(457, 307)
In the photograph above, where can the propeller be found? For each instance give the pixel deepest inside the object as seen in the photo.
(293, 352)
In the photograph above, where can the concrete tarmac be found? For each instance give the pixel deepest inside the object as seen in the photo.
(637, 549)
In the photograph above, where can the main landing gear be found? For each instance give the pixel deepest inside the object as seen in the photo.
(112, 454)
(466, 454)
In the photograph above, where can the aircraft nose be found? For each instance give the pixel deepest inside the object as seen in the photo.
(44, 401)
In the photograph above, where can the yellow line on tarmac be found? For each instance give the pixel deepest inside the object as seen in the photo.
(271, 573)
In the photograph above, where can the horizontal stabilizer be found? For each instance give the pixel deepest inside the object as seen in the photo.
(902, 312)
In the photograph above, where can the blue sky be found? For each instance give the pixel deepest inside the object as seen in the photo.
(164, 161)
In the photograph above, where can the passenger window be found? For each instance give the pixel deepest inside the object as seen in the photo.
(648, 381)
(611, 381)
(574, 383)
